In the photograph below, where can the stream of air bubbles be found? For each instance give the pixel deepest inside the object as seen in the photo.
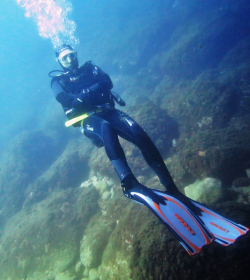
(51, 17)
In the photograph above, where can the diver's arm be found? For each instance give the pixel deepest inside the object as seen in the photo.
(77, 101)
(65, 99)
(91, 95)
(61, 96)
(104, 84)
(102, 79)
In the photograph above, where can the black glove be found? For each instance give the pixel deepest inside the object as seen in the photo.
(118, 99)
(80, 99)
(121, 102)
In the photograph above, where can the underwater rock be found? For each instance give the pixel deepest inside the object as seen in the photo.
(241, 182)
(102, 184)
(207, 191)
(42, 241)
(242, 194)
(86, 272)
(117, 257)
(86, 184)
(161, 127)
(213, 115)
(78, 267)
(28, 156)
(220, 153)
(65, 276)
(205, 122)
(94, 179)
(95, 240)
(248, 173)
(68, 171)
(93, 274)
(106, 195)
(120, 269)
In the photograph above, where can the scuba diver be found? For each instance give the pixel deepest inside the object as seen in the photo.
(88, 102)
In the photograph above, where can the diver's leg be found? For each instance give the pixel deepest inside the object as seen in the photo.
(153, 157)
(97, 129)
(130, 130)
(127, 128)
(117, 157)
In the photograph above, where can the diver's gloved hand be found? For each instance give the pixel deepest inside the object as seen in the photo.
(118, 99)
(79, 101)
(121, 102)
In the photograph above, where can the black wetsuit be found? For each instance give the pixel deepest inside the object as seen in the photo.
(103, 128)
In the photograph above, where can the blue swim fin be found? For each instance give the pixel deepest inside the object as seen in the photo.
(224, 230)
(195, 226)
(181, 221)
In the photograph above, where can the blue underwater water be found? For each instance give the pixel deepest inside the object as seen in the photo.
(102, 28)
(183, 69)
(22, 55)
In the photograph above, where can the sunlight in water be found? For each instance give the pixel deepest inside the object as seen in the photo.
(52, 20)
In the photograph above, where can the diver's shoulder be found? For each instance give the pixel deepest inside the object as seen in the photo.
(61, 75)
(89, 68)
(87, 65)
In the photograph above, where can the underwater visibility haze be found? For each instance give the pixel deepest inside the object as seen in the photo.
(182, 68)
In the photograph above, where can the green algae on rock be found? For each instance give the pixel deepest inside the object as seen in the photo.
(208, 190)
(43, 241)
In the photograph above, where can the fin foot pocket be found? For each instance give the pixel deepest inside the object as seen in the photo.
(135, 192)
